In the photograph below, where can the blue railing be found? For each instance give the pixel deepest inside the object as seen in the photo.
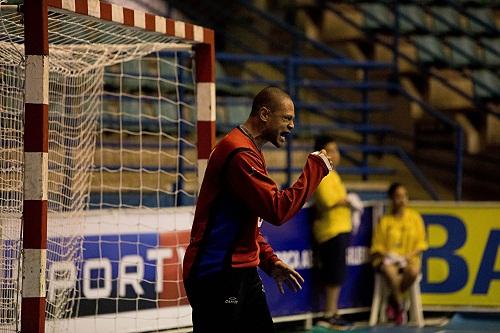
(293, 84)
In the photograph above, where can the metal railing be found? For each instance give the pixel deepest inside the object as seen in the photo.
(293, 84)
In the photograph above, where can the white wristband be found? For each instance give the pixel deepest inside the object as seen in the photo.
(324, 158)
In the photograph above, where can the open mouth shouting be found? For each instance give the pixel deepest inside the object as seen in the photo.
(284, 135)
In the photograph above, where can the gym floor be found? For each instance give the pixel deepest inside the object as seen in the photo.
(457, 323)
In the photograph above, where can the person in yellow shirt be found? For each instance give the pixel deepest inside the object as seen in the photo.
(398, 241)
(332, 231)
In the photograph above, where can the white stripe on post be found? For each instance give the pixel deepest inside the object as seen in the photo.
(34, 266)
(202, 167)
(36, 170)
(205, 100)
(180, 29)
(116, 13)
(139, 19)
(161, 24)
(198, 33)
(94, 8)
(37, 79)
(69, 5)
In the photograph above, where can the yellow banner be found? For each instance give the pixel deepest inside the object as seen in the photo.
(462, 265)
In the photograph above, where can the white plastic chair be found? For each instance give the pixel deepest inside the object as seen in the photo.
(379, 302)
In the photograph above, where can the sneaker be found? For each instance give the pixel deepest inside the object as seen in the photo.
(390, 311)
(335, 322)
(400, 318)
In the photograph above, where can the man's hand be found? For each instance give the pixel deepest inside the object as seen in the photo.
(326, 158)
(282, 273)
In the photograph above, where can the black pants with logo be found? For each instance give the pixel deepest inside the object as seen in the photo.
(230, 302)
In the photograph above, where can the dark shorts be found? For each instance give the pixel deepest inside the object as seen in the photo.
(332, 256)
(230, 302)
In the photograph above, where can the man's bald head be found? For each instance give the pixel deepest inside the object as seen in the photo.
(271, 118)
(269, 97)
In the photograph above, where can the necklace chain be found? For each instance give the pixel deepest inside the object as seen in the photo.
(246, 131)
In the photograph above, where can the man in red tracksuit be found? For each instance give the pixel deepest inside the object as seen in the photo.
(226, 246)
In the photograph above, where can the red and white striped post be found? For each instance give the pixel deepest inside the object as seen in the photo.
(36, 132)
(205, 100)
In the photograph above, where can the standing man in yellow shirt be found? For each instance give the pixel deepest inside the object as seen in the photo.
(398, 241)
(332, 231)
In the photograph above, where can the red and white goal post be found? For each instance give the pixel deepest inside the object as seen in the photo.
(107, 119)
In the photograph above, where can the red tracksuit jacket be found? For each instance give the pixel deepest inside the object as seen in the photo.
(236, 192)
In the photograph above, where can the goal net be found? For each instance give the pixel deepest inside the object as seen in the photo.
(122, 170)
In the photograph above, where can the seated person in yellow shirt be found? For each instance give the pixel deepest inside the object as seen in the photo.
(332, 232)
(398, 241)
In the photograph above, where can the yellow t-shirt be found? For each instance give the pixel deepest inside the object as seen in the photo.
(330, 221)
(402, 236)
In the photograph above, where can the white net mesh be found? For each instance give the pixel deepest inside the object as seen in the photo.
(122, 160)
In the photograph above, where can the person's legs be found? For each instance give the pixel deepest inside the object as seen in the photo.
(208, 319)
(334, 269)
(399, 280)
(233, 302)
(410, 274)
(332, 297)
(255, 314)
(215, 303)
(394, 279)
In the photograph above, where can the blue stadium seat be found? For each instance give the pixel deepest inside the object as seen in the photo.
(412, 19)
(132, 67)
(236, 113)
(130, 114)
(484, 22)
(122, 77)
(168, 69)
(149, 66)
(486, 83)
(149, 83)
(463, 51)
(118, 115)
(169, 116)
(429, 49)
(445, 20)
(111, 112)
(169, 75)
(225, 88)
(112, 81)
(491, 51)
(169, 111)
(377, 16)
(130, 79)
(132, 76)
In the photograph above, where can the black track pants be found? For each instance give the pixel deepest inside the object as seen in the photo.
(231, 302)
